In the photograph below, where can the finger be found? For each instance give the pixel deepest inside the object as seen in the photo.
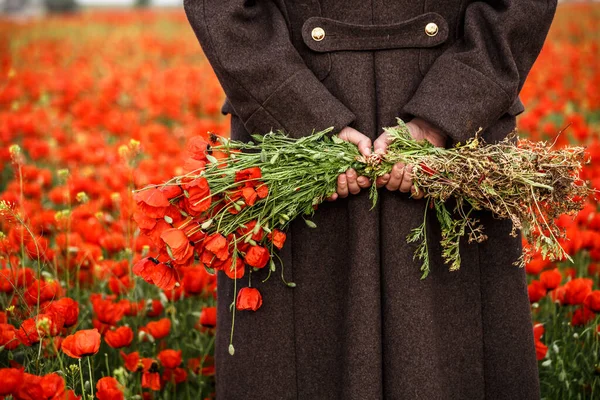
(381, 181)
(395, 177)
(363, 182)
(416, 193)
(381, 143)
(350, 135)
(406, 183)
(333, 197)
(364, 146)
(352, 184)
(342, 186)
(360, 140)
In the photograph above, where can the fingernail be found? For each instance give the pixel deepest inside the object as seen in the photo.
(362, 181)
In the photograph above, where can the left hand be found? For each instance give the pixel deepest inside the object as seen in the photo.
(400, 178)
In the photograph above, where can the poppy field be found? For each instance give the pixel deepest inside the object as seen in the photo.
(97, 104)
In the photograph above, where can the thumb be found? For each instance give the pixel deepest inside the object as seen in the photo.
(364, 146)
(380, 145)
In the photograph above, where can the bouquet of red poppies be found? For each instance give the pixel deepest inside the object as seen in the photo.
(231, 211)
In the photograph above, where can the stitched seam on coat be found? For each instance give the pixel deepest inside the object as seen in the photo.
(508, 97)
(381, 286)
(264, 107)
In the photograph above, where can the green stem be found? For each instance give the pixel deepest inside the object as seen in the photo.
(81, 380)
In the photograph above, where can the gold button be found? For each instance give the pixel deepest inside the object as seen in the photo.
(318, 34)
(431, 29)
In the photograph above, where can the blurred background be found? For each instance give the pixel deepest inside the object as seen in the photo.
(98, 98)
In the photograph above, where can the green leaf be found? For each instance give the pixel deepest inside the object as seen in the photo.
(212, 159)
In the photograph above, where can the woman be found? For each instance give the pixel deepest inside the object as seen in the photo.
(361, 324)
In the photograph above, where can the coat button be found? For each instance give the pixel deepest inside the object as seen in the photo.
(431, 29)
(318, 34)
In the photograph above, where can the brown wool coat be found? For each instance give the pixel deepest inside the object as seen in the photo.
(360, 324)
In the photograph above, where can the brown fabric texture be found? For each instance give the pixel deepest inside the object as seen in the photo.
(361, 324)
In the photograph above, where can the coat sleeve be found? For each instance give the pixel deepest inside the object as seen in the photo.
(475, 81)
(265, 79)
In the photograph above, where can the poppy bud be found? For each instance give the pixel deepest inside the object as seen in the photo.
(249, 298)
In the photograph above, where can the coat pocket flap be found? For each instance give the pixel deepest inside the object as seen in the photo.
(324, 34)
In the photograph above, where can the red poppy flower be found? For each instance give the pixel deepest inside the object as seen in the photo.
(157, 273)
(576, 290)
(170, 358)
(49, 324)
(108, 312)
(53, 386)
(178, 245)
(8, 337)
(46, 291)
(196, 148)
(28, 333)
(540, 350)
(31, 388)
(155, 309)
(278, 238)
(257, 234)
(250, 195)
(158, 329)
(68, 308)
(558, 294)
(151, 380)
(120, 337)
(176, 375)
(11, 379)
(234, 273)
(582, 316)
(171, 191)
(262, 190)
(108, 388)
(82, 343)
(250, 176)
(216, 244)
(120, 285)
(248, 299)
(152, 202)
(131, 361)
(257, 256)
(592, 301)
(536, 265)
(195, 280)
(551, 279)
(198, 198)
(536, 291)
(208, 317)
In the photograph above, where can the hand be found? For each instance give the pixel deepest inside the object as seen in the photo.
(400, 178)
(348, 182)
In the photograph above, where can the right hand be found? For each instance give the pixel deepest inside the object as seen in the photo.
(348, 182)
